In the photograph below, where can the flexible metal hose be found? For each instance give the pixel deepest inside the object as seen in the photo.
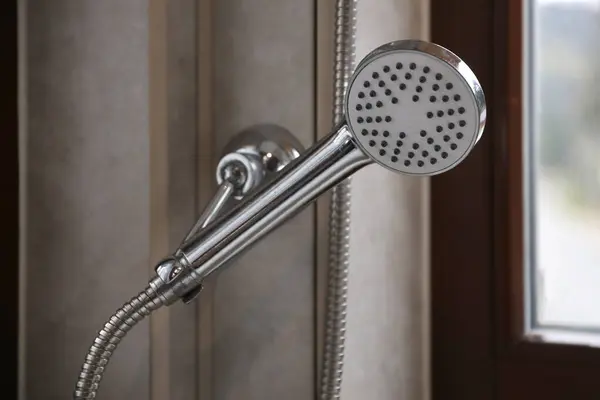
(109, 337)
(339, 215)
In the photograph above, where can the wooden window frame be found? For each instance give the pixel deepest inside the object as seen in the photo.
(9, 201)
(479, 350)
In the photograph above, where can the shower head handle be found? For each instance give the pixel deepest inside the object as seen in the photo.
(322, 166)
(412, 107)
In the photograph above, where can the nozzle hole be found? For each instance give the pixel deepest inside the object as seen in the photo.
(388, 118)
(361, 95)
(381, 83)
(440, 113)
(407, 163)
(384, 143)
(446, 138)
(439, 128)
(402, 135)
(375, 75)
(364, 132)
(438, 76)
(372, 143)
(429, 115)
(413, 65)
(386, 69)
(402, 86)
(451, 125)
(422, 79)
(453, 146)
(360, 120)
(461, 110)
(420, 163)
(450, 112)
(358, 107)
(437, 147)
(373, 93)
(435, 87)
(367, 84)
(415, 146)
(382, 152)
(415, 98)
(423, 133)
(456, 97)
(394, 159)
(449, 86)
(429, 140)
(425, 153)
(419, 89)
(369, 106)
(369, 120)
(377, 119)
(388, 92)
(445, 98)
(432, 99)
(462, 123)
(444, 155)
(399, 143)
(408, 76)
(374, 132)
(394, 77)
(399, 65)
(394, 100)
(379, 104)
(411, 154)
(433, 160)
(426, 69)
(396, 151)
(386, 134)
(459, 135)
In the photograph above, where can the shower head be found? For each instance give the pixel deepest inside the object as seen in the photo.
(411, 106)
(414, 107)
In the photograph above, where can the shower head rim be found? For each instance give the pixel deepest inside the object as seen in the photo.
(441, 53)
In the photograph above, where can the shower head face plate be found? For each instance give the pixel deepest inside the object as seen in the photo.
(415, 108)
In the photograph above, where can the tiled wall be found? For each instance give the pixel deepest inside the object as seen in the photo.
(388, 326)
(86, 176)
(129, 104)
(263, 306)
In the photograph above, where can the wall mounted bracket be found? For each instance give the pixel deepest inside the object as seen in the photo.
(252, 158)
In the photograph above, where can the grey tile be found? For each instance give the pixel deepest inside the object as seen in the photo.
(87, 189)
(388, 297)
(182, 183)
(264, 304)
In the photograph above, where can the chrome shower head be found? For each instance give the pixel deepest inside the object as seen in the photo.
(411, 106)
(414, 107)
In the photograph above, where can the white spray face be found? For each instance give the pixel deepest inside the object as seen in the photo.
(414, 107)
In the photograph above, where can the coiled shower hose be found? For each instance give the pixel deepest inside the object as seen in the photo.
(339, 215)
(132, 312)
(149, 300)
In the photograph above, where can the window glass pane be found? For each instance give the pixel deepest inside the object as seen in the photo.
(562, 131)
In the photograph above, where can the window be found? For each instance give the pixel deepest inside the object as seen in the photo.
(562, 161)
(515, 249)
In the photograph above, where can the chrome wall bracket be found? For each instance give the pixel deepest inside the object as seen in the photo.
(252, 158)
(260, 151)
